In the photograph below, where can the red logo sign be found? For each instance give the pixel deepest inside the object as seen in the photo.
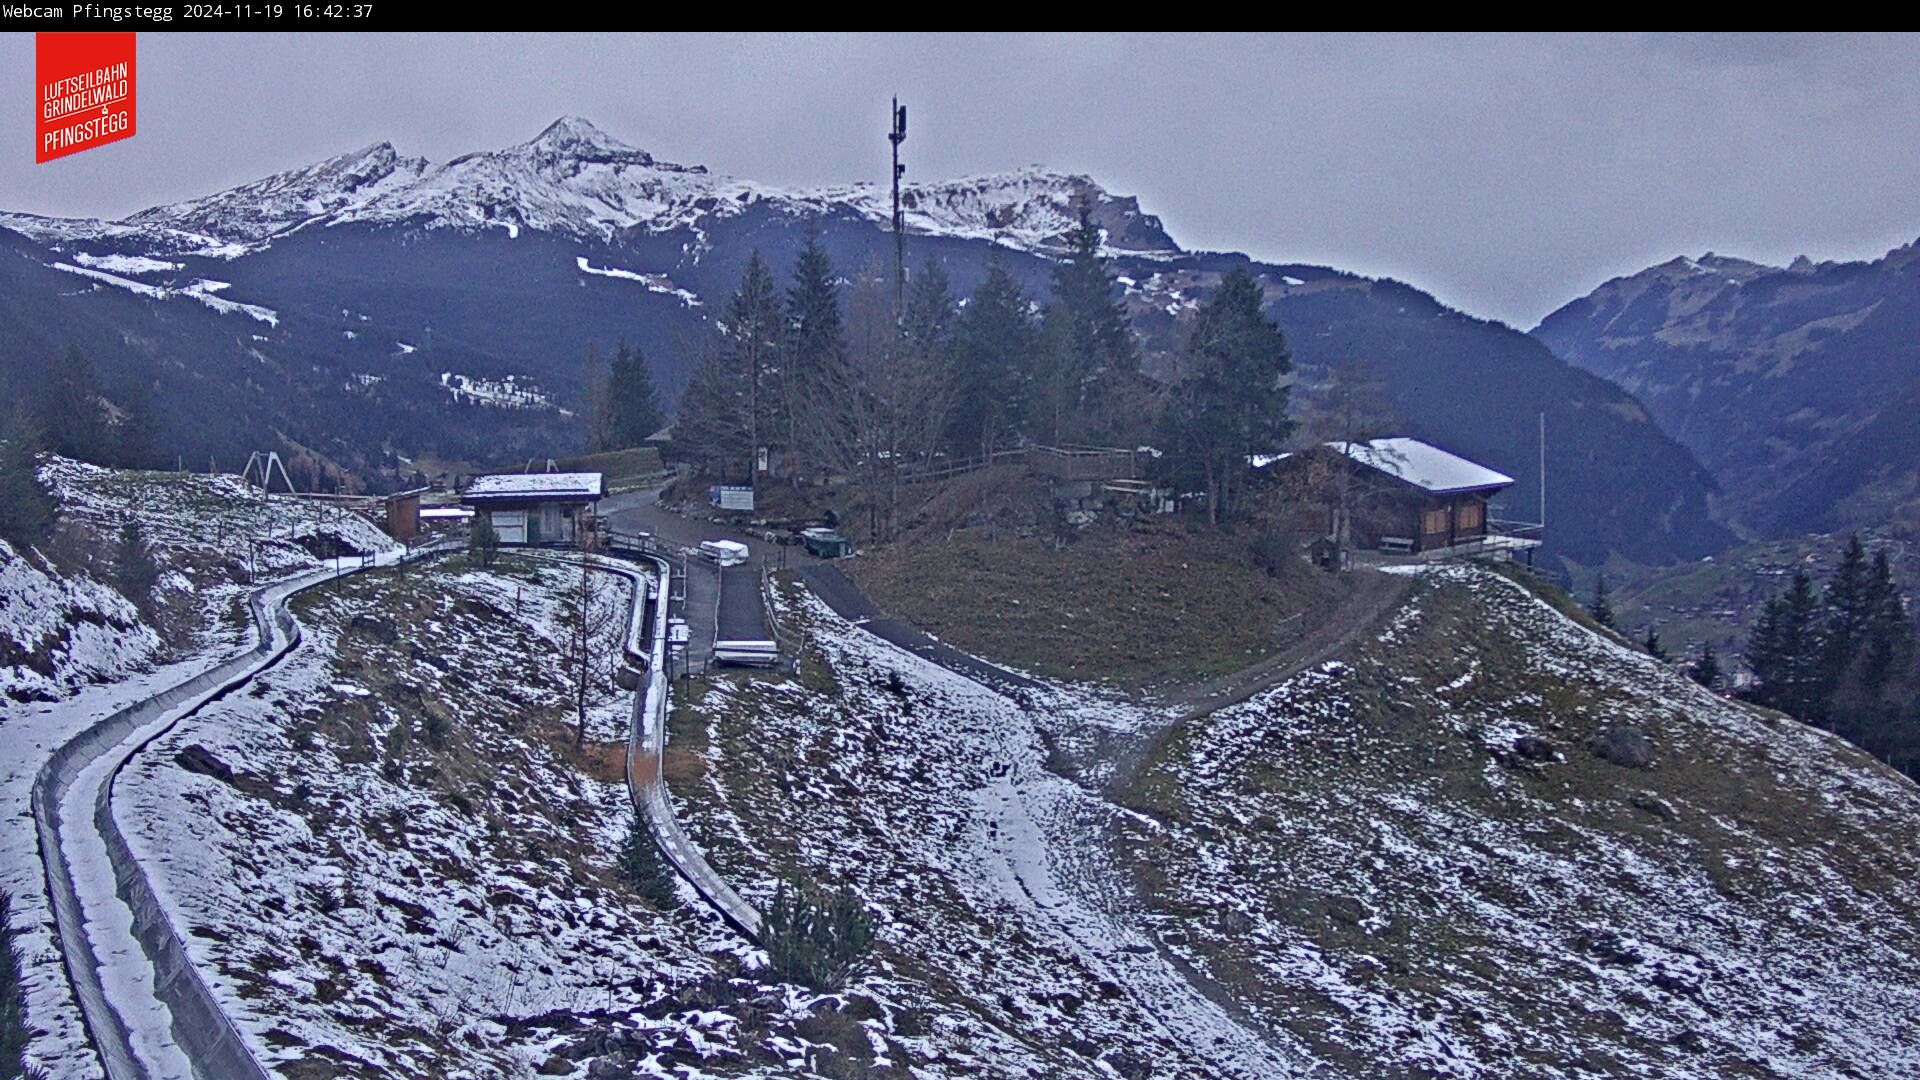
(85, 84)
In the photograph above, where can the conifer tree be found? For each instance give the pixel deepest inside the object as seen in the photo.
(70, 407)
(1087, 339)
(635, 408)
(134, 439)
(643, 866)
(13, 998)
(1602, 606)
(754, 342)
(1232, 402)
(483, 542)
(1887, 630)
(715, 425)
(925, 371)
(1844, 616)
(993, 354)
(1651, 643)
(26, 507)
(1706, 669)
(1784, 652)
(815, 940)
(135, 570)
(815, 343)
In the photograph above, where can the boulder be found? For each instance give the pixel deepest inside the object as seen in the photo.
(1653, 804)
(1534, 748)
(199, 759)
(381, 630)
(1627, 747)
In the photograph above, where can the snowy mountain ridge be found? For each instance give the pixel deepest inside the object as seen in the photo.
(576, 179)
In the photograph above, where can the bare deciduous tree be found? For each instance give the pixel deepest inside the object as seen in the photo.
(880, 405)
(590, 624)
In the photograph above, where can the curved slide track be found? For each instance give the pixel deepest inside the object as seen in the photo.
(646, 652)
(147, 1010)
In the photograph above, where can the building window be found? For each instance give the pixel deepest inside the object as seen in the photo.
(1433, 521)
(1472, 515)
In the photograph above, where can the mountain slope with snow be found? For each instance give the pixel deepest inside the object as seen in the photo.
(1492, 843)
(1799, 386)
(340, 313)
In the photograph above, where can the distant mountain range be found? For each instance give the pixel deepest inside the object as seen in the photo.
(1798, 386)
(375, 307)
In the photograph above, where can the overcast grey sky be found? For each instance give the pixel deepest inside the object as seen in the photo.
(1504, 174)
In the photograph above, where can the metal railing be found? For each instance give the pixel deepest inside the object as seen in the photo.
(646, 780)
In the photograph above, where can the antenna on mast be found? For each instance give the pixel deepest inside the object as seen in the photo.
(1543, 468)
(897, 136)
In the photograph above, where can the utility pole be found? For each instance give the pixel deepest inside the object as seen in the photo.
(897, 136)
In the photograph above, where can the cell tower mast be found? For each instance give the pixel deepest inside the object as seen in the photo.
(897, 136)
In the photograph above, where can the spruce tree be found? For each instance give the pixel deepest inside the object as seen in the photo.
(13, 998)
(1844, 616)
(815, 940)
(1651, 643)
(993, 353)
(815, 342)
(1084, 288)
(483, 542)
(70, 405)
(1706, 669)
(634, 407)
(1089, 343)
(754, 342)
(1784, 652)
(1602, 606)
(643, 866)
(1887, 631)
(715, 425)
(26, 507)
(1233, 401)
(134, 437)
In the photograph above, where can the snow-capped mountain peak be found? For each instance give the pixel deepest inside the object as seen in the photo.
(578, 138)
(575, 179)
(285, 201)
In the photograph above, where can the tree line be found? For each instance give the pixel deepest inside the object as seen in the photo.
(1842, 656)
(840, 376)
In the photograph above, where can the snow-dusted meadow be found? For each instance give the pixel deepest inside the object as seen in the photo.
(82, 651)
(1010, 945)
(1370, 854)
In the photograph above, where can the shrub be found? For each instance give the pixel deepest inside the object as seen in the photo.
(13, 999)
(643, 866)
(815, 939)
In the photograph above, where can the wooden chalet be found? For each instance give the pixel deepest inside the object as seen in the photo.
(1408, 497)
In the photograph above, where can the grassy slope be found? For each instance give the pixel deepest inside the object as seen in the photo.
(1361, 857)
(874, 770)
(1152, 604)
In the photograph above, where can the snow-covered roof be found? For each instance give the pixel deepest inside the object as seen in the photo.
(1423, 465)
(553, 485)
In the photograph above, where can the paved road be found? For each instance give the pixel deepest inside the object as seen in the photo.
(722, 604)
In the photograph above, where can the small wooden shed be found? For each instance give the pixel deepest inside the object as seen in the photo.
(537, 508)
